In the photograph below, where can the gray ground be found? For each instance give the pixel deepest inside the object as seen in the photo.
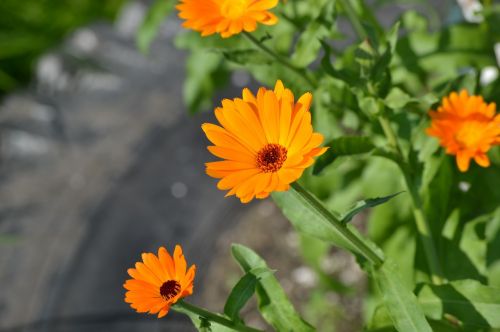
(100, 162)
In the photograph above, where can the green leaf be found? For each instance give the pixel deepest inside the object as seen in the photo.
(473, 304)
(200, 323)
(349, 77)
(392, 37)
(342, 146)
(308, 45)
(370, 106)
(273, 302)
(308, 219)
(240, 295)
(365, 204)
(205, 73)
(401, 303)
(157, 13)
(243, 291)
(397, 98)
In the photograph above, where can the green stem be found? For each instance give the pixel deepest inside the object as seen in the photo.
(424, 231)
(215, 318)
(356, 241)
(390, 135)
(300, 71)
(422, 224)
(354, 19)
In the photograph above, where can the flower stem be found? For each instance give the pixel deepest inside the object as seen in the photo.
(300, 71)
(213, 317)
(421, 222)
(356, 241)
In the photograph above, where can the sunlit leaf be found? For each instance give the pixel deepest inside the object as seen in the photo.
(365, 204)
(273, 302)
(243, 291)
(474, 305)
(401, 303)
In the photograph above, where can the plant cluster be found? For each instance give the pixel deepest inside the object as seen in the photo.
(404, 118)
(30, 27)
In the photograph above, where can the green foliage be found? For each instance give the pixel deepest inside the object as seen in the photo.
(29, 28)
(365, 204)
(243, 291)
(315, 221)
(152, 22)
(202, 324)
(470, 304)
(401, 303)
(273, 302)
(206, 73)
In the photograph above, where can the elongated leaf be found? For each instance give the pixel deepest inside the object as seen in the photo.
(201, 324)
(473, 304)
(273, 302)
(243, 291)
(240, 295)
(342, 146)
(401, 303)
(392, 36)
(310, 220)
(157, 13)
(365, 204)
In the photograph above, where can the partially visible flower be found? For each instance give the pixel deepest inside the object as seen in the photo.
(159, 282)
(467, 127)
(226, 17)
(266, 141)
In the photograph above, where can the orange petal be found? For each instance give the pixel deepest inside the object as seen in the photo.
(482, 160)
(463, 161)
(179, 263)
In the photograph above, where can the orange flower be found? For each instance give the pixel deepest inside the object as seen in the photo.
(467, 127)
(266, 141)
(159, 282)
(227, 17)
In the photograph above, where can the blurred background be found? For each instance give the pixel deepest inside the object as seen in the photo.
(100, 161)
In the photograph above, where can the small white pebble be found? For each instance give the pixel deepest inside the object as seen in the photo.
(304, 276)
(464, 186)
(488, 75)
(179, 190)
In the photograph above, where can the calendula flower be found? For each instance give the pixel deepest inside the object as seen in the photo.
(266, 141)
(467, 127)
(159, 282)
(226, 17)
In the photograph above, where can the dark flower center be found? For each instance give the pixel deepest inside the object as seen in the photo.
(170, 289)
(271, 157)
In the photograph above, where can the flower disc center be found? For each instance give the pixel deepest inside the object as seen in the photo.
(469, 134)
(170, 289)
(271, 157)
(233, 8)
